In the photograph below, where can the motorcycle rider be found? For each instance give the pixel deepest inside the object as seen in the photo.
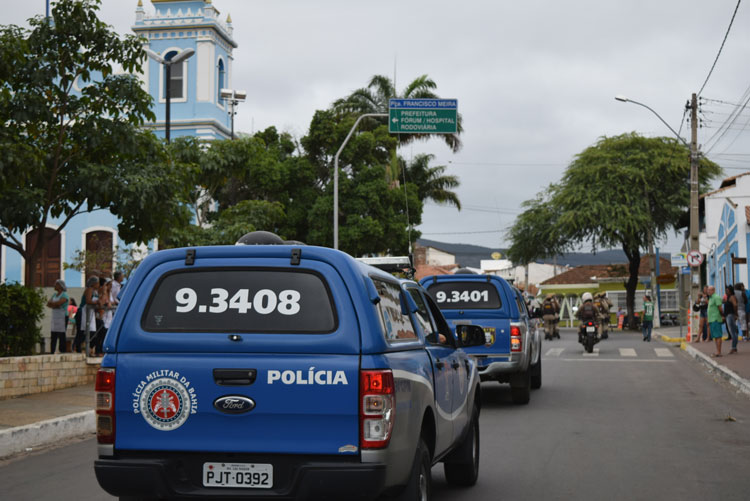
(587, 312)
(603, 305)
(550, 310)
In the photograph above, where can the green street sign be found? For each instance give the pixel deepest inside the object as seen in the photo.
(423, 116)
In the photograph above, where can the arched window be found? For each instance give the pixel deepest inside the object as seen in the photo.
(175, 78)
(99, 253)
(222, 80)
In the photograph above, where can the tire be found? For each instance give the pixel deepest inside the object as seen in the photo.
(589, 345)
(520, 388)
(536, 374)
(419, 485)
(461, 467)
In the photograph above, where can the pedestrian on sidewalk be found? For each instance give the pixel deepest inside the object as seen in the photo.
(739, 293)
(701, 306)
(715, 313)
(59, 304)
(730, 314)
(648, 318)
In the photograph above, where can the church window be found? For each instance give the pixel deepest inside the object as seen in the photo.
(175, 79)
(222, 78)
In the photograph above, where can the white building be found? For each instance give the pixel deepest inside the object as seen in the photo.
(538, 272)
(725, 232)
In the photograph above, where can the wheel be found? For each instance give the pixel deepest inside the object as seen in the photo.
(419, 486)
(520, 388)
(536, 374)
(589, 345)
(462, 465)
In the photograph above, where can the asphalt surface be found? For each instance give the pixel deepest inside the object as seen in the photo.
(634, 421)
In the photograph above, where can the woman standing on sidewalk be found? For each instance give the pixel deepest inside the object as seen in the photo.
(730, 313)
(714, 318)
(739, 293)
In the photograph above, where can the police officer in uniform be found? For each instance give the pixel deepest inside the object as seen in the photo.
(601, 302)
(550, 310)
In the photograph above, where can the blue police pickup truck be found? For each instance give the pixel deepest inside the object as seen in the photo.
(282, 372)
(512, 353)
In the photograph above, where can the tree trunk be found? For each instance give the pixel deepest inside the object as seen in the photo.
(634, 263)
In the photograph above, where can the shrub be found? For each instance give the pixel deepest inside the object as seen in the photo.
(21, 310)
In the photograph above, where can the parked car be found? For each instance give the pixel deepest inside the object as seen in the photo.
(512, 351)
(282, 371)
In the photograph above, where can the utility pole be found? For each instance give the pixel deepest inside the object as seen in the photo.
(694, 270)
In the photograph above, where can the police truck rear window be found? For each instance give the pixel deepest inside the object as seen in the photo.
(240, 300)
(465, 295)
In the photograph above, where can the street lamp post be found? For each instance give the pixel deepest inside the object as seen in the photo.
(233, 97)
(167, 63)
(693, 230)
(336, 175)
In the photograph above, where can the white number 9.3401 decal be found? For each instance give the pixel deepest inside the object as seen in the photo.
(264, 302)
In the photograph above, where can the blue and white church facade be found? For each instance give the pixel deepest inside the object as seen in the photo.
(725, 232)
(196, 110)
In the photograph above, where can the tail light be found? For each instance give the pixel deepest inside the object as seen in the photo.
(105, 406)
(377, 408)
(515, 338)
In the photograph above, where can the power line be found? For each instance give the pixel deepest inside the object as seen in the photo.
(508, 164)
(720, 48)
(464, 232)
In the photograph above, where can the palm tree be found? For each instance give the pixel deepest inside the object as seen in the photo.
(430, 181)
(374, 99)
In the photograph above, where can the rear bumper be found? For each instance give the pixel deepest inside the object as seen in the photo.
(295, 477)
(502, 367)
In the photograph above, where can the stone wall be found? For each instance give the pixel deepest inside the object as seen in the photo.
(40, 373)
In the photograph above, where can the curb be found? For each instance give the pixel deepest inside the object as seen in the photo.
(20, 438)
(735, 379)
(668, 339)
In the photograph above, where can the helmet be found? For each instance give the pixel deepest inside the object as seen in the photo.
(587, 297)
(464, 271)
(260, 238)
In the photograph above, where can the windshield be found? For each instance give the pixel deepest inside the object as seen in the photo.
(240, 300)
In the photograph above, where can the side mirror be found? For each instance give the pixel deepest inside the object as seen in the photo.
(470, 335)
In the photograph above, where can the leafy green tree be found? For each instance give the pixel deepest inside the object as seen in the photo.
(372, 208)
(229, 224)
(374, 99)
(431, 182)
(535, 234)
(65, 151)
(621, 192)
(21, 310)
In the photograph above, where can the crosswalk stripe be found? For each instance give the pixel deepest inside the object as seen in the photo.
(554, 352)
(594, 354)
(628, 352)
(663, 352)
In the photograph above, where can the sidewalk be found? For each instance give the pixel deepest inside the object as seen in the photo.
(44, 418)
(734, 368)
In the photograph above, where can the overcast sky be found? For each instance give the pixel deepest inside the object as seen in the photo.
(535, 80)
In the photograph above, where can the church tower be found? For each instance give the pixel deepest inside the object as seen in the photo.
(197, 108)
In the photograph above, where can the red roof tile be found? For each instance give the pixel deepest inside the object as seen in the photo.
(591, 274)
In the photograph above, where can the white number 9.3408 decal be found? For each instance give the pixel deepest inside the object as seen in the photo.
(264, 302)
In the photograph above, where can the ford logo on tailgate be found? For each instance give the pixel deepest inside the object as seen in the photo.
(234, 404)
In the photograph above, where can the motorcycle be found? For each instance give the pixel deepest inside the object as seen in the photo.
(588, 335)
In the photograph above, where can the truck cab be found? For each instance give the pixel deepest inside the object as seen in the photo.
(512, 351)
(283, 372)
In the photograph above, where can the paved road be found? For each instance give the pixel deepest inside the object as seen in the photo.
(633, 421)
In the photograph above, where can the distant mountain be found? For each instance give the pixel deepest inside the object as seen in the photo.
(470, 255)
